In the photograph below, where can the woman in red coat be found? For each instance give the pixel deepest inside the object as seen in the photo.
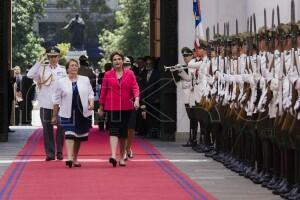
(119, 96)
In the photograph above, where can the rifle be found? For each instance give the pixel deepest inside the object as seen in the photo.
(207, 40)
(273, 31)
(250, 38)
(228, 39)
(293, 25)
(294, 57)
(272, 40)
(255, 35)
(249, 45)
(175, 68)
(214, 32)
(280, 107)
(265, 26)
(280, 32)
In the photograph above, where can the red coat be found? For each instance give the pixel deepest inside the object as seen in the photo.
(117, 95)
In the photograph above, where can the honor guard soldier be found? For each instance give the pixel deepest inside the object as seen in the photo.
(215, 120)
(264, 125)
(187, 85)
(201, 91)
(46, 76)
(294, 129)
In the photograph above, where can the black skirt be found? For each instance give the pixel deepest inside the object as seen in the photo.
(77, 126)
(132, 120)
(118, 122)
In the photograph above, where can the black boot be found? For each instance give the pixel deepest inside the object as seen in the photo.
(294, 191)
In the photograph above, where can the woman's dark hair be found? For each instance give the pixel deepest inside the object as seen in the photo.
(83, 60)
(116, 53)
(71, 60)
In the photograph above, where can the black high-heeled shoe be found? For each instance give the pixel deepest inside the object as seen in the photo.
(113, 162)
(130, 154)
(69, 163)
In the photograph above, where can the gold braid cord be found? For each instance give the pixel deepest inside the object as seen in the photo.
(44, 81)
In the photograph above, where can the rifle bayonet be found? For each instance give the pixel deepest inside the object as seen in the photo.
(236, 27)
(273, 18)
(227, 29)
(293, 12)
(207, 34)
(293, 25)
(265, 18)
(214, 29)
(278, 15)
(254, 23)
(248, 25)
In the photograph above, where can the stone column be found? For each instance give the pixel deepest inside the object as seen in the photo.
(5, 64)
(168, 49)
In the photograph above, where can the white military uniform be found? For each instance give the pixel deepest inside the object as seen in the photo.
(296, 79)
(48, 75)
(202, 84)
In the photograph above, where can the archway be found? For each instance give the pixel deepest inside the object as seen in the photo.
(163, 40)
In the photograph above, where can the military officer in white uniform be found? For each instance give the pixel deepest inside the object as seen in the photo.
(187, 82)
(46, 75)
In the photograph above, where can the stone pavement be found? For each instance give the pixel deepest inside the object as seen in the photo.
(16, 140)
(210, 175)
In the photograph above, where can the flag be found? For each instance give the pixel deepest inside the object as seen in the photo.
(199, 34)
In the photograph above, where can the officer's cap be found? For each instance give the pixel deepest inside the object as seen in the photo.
(53, 51)
(186, 51)
(243, 37)
(217, 39)
(212, 44)
(235, 40)
(263, 33)
(284, 30)
(203, 44)
(222, 40)
(262, 30)
(127, 60)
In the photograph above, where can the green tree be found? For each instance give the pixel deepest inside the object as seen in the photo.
(26, 45)
(131, 31)
(64, 49)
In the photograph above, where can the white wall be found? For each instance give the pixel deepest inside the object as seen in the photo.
(221, 11)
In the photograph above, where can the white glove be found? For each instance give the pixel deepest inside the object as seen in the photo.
(297, 105)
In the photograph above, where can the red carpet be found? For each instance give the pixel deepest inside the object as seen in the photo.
(148, 176)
